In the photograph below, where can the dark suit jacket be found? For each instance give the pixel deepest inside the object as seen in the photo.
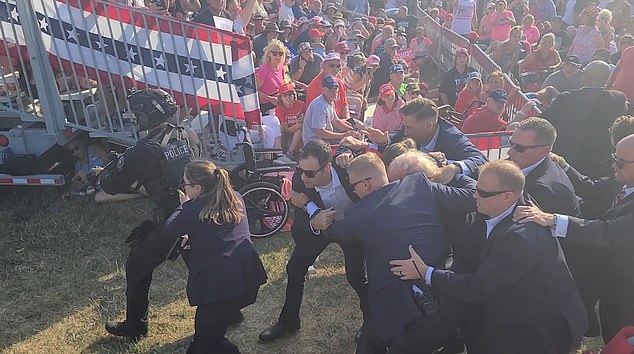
(582, 118)
(402, 213)
(464, 232)
(224, 264)
(551, 188)
(453, 143)
(597, 194)
(523, 282)
(301, 222)
(613, 233)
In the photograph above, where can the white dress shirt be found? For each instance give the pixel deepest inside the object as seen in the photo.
(561, 228)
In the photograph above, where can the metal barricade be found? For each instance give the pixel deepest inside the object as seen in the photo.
(494, 145)
(444, 45)
(87, 54)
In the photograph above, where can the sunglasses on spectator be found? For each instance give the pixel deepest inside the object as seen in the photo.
(338, 66)
(620, 163)
(276, 54)
(73, 148)
(310, 173)
(521, 148)
(485, 194)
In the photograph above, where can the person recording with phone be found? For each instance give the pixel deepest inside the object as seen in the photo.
(225, 271)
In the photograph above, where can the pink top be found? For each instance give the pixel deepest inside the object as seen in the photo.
(388, 120)
(500, 25)
(583, 45)
(272, 79)
(420, 48)
(532, 34)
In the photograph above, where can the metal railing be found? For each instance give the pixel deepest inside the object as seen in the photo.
(71, 64)
(445, 42)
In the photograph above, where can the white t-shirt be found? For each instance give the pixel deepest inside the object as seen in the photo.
(463, 17)
(286, 13)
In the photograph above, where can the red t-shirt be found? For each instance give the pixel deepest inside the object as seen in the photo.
(483, 120)
(289, 115)
(464, 100)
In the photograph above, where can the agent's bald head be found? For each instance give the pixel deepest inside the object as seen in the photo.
(596, 74)
(366, 174)
(624, 161)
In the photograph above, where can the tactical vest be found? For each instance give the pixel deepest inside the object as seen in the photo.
(176, 154)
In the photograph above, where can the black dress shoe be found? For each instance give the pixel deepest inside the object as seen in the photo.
(278, 330)
(127, 330)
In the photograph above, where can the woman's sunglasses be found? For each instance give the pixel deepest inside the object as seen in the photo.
(276, 53)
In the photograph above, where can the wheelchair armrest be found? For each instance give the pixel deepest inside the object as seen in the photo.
(268, 151)
(280, 168)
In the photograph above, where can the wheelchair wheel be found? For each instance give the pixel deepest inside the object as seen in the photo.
(267, 210)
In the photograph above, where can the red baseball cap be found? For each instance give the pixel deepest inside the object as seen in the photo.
(386, 89)
(285, 88)
(314, 33)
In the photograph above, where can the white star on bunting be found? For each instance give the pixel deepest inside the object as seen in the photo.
(220, 73)
(71, 34)
(101, 44)
(159, 61)
(190, 68)
(14, 14)
(132, 53)
(43, 24)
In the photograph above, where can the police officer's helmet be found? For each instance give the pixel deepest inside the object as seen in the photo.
(151, 107)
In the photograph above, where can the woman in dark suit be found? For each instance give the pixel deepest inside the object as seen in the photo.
(225, 271)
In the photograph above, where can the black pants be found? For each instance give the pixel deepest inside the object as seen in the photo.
(307, 248)
(142, 260)
(210, 328)
(420, 337)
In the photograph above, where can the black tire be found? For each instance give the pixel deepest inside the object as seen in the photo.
(260, 198)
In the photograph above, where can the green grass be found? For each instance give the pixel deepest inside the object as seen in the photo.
(62, 278)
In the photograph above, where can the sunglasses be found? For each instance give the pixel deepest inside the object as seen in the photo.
(74, 148)
(310, 173)
(355, 184)
(521, 148)
(276, 53)
(338, 66)
(620, 163)
(485, 194)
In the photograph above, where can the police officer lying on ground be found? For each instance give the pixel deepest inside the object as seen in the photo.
(156, 162)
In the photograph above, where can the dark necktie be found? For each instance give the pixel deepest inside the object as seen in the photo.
(619, 197)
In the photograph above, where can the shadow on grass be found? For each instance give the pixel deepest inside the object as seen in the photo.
(63, 266)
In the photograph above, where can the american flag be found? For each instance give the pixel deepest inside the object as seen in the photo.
(201, 66)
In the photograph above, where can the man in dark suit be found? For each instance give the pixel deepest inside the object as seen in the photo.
(612, 232)
(528, 300)
(550, 187)
(433, 135)
(389, 217)
(582, 118)
(317, 185)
